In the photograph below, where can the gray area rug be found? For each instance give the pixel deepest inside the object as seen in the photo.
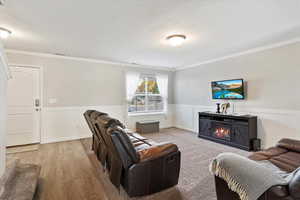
(195, 181)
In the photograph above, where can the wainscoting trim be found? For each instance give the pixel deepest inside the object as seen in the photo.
(68, 123)
(273, 124)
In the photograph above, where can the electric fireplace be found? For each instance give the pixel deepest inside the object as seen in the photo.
(237, 131)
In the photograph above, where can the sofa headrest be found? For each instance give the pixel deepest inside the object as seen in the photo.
(290, 144)
(87, 116)
(125, 142)
(95, 114)
(106, 121)
(87, 113)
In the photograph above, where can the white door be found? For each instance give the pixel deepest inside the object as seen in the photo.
(23, 93)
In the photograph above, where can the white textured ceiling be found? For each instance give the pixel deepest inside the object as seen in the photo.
(135, 30)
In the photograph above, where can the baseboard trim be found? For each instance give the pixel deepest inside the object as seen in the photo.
(184, 128)
(64, 139)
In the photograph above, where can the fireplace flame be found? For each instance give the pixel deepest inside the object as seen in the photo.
(222, 132)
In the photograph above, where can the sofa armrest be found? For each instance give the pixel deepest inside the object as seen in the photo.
(279, 191)
(156, 151)
(294, 185)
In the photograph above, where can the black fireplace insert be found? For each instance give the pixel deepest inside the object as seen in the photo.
(221, 130)
(236, 131)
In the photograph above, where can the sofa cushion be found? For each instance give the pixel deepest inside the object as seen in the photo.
(282, 165)
(280, 157)
(292, 145)
(136, 135)
(273, 151)
(156, 151)
(267, 154)
(288, 161)
(106, 121)
(144, 144)
(95, 114)
(258, 157)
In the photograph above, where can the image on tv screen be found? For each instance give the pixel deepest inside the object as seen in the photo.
(229, 89)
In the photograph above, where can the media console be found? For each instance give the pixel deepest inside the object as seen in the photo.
(234, 130)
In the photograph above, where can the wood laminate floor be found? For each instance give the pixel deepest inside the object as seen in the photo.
(67, 173)
(71, 171)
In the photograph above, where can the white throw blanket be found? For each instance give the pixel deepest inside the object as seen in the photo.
(248, 178)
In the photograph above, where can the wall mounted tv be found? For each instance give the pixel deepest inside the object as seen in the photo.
(228, 89)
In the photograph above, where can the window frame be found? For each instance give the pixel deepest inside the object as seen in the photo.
(146, 95)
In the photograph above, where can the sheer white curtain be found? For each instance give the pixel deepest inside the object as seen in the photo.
(162, 83)
(132, 81)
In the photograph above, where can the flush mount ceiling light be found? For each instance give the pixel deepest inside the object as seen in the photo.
(176, 40)
(4, 33)
(2, 2)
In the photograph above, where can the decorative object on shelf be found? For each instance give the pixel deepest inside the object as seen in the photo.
(218, 108)
(224, 107)
(232, 108)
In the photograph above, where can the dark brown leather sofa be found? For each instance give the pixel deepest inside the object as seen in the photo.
(286, 156)
(140, 165)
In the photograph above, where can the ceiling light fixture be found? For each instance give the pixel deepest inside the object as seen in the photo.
(2, 2)
(4, 33)
(176, 40)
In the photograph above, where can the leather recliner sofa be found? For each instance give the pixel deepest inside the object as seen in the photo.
(286, 156)
(140, 165)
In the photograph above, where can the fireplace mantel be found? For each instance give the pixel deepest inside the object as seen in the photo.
(234, 130)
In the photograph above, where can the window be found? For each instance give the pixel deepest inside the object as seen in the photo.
(147, 94)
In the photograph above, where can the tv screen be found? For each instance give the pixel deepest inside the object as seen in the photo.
(228, 89)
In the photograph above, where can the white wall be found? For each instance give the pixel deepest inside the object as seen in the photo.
(3, 85)
(2, 118)
(67, 123)
(77, 86)
(271, 77)
(272, 80)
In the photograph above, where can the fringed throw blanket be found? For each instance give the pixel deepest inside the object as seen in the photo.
(248, 178)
